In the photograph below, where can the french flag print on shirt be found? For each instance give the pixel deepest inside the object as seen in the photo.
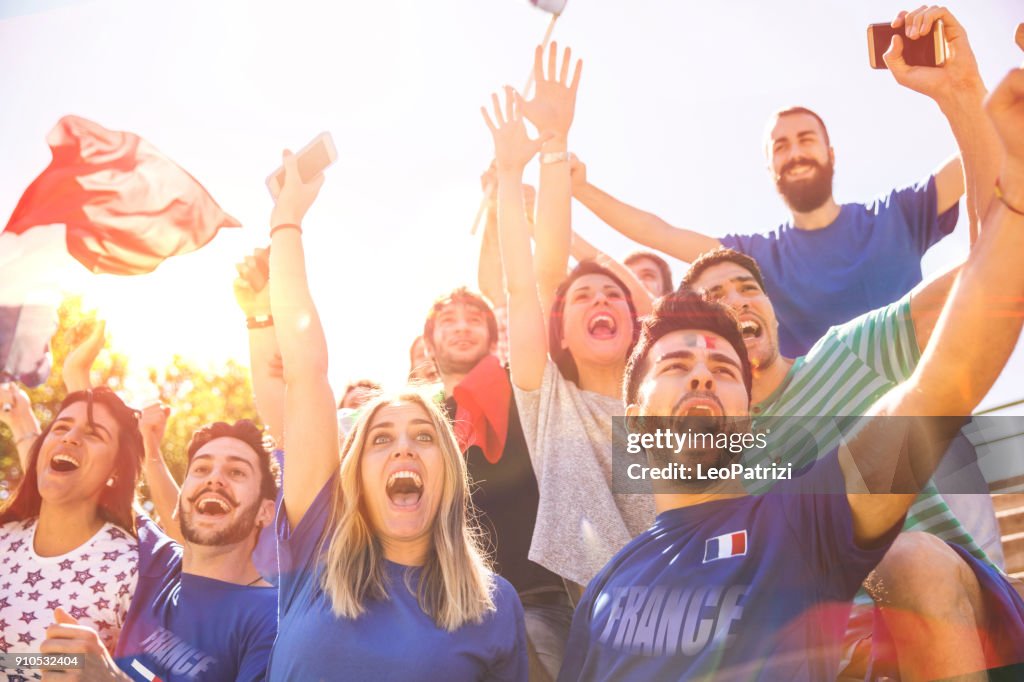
(725, 546)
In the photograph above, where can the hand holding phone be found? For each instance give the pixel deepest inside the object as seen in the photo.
(926, 50)
(956, 81)
(312, 160)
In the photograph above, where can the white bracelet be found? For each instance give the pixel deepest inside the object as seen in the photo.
(554, 157)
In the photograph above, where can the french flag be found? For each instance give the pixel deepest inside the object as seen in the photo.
(725, 546)
(108, 200)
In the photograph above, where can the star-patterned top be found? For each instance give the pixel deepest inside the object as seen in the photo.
(94, 583)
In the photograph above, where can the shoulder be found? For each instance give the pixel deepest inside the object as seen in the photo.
(113, 536)
(158, 553)
(17, 529)
(506, 599)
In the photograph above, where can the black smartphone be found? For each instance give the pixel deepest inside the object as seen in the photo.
(929, 50)
(311, 160)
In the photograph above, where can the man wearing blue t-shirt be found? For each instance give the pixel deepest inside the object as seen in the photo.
(830, 262)
(729, 586)
(201, 612)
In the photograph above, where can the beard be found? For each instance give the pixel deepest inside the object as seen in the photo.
(238, 531)
(766, 355)
(806, 194)
(710, 428)
(448, 365)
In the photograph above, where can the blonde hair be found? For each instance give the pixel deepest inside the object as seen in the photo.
(455, 585)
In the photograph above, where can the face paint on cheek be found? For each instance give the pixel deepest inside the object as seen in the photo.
(699, 341)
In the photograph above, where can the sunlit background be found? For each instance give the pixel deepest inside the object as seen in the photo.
(670, 118)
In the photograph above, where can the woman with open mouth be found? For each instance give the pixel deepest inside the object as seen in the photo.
(567, 378)
(381, 574)
(67, 533)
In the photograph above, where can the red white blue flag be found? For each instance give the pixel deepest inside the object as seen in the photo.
(110, 201)
(126, 206)
(725, 546)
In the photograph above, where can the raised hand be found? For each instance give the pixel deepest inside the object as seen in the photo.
(82, 356)
(295, 196)
(578, 173)
(960, 72)
(15, 405)
(513, 147)
(251, 291)
(554, 102)
(153, 424)
(78, 362)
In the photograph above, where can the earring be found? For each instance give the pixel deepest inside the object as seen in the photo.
(110, 482)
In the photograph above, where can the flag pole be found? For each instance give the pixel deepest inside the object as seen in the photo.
(526, 95)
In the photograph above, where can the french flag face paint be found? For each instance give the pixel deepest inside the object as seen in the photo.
(700, 341)
(725, 546)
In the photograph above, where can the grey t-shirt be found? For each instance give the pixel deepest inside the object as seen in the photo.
(581, 524)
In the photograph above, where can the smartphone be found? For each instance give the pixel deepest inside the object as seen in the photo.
(312, 160)
(929, 50)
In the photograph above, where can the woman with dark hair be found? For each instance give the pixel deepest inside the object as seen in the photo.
(566, 401)
(67, 534)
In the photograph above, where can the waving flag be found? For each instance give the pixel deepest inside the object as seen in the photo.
(126, 206)
(108, 200)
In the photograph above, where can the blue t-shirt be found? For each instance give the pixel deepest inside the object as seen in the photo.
(264, 557)
(867, 258)
(393, 639)
(750, 588)
(186, 627)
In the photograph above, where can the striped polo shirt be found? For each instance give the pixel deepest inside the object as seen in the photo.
(837, 382)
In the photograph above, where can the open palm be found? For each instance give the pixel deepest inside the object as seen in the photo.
(513, 147)
(554, 102)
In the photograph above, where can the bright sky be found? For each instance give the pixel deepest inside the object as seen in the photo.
(670, 117)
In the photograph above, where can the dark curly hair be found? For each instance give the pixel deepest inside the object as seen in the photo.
(250, 434)
(713, 257)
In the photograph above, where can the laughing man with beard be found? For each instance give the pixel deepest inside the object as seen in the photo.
(829, 262)
(201, 612)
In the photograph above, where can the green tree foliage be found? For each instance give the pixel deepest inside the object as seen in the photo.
(196, 396)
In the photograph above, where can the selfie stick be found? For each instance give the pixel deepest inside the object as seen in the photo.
(526, 95)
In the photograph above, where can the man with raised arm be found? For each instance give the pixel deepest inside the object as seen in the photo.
(830, 262)
(740, 587)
